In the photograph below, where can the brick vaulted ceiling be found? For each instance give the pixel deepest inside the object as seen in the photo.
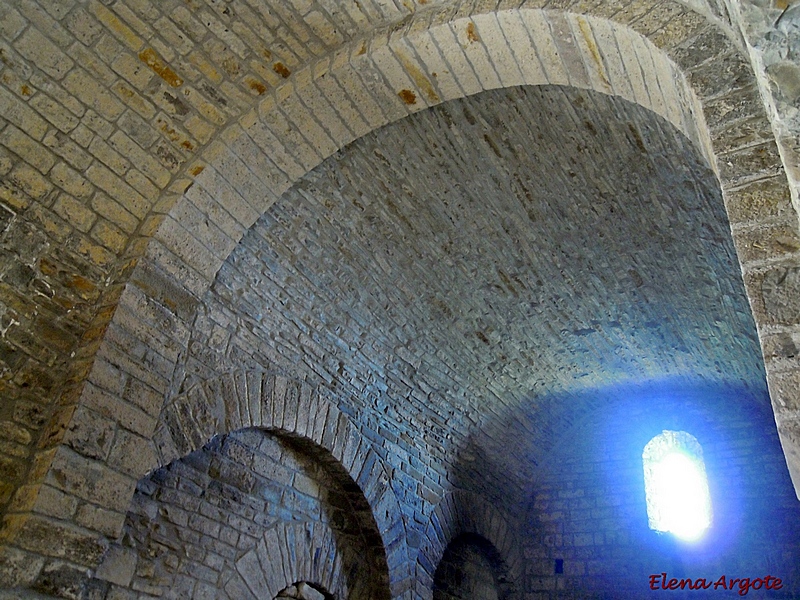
(462, 264)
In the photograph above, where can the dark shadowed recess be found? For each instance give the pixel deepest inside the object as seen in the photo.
(471, 568)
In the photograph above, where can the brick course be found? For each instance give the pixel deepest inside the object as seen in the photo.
(128, 122)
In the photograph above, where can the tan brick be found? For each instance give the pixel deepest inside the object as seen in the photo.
(132, 70)
(30, 181)
(54, 112)
(592, 53)
(91, 93)
(141, 159)
(323, 28)
(83, 136)
(539, 30)
(134, 99)
(651, 75)
(108, 156)
(43, 53)
(199, 128)
(74, 212)
(124, 33)
(109, 236)
(11, 22)
(71, 181)
(114, 212)
(159, 66)
(202, 105)
(118, 189)
(84, 26)
(58, 93)
(358, 94)
(303, 120)
(174, 36)
(28, 149)
(633, 69)
(72, 153)
(20, 114)
(96, 254)
(23, 88)
(44, 22)
(524, 51)
(141, 184)
(55, 503)
(97, 123)
(499, 51)
(56, 228)
(94, 60)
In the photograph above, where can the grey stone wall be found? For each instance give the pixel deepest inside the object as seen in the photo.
(141, 140)
(449, 302)
(191, 522)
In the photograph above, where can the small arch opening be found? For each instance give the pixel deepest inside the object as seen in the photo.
(471, 568)
(676, 486)
(303, 590)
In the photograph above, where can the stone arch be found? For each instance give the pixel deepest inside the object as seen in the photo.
(461, 512)
(263, 510)
(471, 567)
(392, 76)
(367, 84)
(311, 556)
(276, 403)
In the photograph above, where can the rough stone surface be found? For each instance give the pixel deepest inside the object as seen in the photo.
(191, 521)
(489, 290)
(140, 142)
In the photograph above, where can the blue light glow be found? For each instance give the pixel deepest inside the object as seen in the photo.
(676, 488)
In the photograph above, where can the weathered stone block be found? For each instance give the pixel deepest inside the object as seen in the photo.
(61, 580)
(780, 290)
(759, 201)
(18, 568)
(50, 538)
(43, 53)
(107, 522)
(769, 241)
(784, 388)
(720, 76)
(90, 434)
(754, 162)
(55, 503)
(118, 565)
(90, 480)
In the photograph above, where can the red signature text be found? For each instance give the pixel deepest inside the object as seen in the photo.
(742, 585)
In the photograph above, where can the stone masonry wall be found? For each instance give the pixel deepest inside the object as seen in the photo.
(437, 307)
(191, 521)
(58, 315)
(590, 509)
(108, 106)
(771, 29)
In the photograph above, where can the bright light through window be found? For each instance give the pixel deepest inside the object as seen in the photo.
(676, 486)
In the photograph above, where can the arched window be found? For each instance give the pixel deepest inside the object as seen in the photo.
(676, 486)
